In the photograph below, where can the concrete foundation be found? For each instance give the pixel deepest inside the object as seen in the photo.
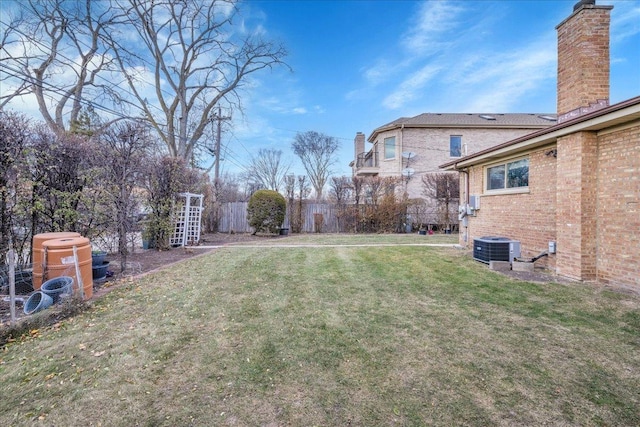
(500, 265)
(522, 266)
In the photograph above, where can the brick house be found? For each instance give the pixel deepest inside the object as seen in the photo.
(418, 145)
(577, 183)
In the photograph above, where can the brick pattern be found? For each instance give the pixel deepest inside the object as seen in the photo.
(583, 58)
(588, 198)
(527, 217)
(618, 211)
(576, 200)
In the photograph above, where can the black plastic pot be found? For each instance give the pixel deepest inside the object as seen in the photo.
(100, 271)
(58, 286)
(97, 257)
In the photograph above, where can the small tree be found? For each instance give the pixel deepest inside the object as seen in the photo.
(122, 158)
(61, 168)
(268, 169)
(290, 191)
(443, 190)
(341, 189)
(166, 177)
(317, 153)
(14, 139)
(266, 211)
(297, 223)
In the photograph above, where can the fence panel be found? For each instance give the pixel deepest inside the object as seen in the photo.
(233, 217)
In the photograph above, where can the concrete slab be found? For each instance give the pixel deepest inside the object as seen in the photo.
(500, 265)
(522, 266)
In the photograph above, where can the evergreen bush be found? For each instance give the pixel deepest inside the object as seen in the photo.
(266, 211)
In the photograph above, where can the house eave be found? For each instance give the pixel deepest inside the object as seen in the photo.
(374, 135)
(617, 114)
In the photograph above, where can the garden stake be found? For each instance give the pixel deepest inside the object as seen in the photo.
(12, 285)
(78, 276)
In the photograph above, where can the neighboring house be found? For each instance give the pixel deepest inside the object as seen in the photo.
(410, 147)
(575, 185)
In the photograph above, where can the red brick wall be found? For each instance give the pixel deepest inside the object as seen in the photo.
(583, 58)
(618, 213)
(527, 217)
(587, 200)
(576, 201)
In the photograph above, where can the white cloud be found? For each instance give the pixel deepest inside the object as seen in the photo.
(461, 66)
(434, 20)
(411, 88)
(377, 73)
(625, 20)
(499, 81)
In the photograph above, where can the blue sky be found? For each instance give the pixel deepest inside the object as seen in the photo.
(360, 64)
(357, 64)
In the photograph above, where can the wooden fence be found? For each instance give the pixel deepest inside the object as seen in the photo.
(233, 217)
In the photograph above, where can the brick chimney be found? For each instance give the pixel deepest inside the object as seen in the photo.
(583, 60)
(358, 144)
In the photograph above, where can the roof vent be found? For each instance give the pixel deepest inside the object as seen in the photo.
(550, 118)
(487, 117)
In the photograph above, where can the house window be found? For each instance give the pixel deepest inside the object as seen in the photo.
(508, 175)
(390, 148)
(455, 146)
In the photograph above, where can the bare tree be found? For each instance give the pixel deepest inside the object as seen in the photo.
(340, 192)
(14, 139)
(122, 158)
(169, 62)
(54, 50)
(357, 183)
(196, 60)
(443, 189)
(9, 37)
(302, 191)
(374, 189)
(61, 168)
(341, 188)
(317, 153)
(268, 169)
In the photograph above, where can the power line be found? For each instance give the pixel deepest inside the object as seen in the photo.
(19, 74)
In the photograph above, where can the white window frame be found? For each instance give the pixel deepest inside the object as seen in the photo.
(505, 189)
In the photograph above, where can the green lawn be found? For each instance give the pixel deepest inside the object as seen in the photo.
(332, 336)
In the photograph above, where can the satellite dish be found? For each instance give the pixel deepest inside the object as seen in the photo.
(408, 172)
(408, 154)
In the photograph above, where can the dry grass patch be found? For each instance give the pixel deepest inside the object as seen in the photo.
(333, 336)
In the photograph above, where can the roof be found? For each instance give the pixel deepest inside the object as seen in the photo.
(616, 114)
(471, 120)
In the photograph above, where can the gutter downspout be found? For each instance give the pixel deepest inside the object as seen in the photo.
(401, 149)
(466, 202)
(401, 144)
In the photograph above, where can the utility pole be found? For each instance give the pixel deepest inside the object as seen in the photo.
(216, 171)
(219, 119)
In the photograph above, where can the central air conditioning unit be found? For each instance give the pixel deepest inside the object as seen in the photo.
(491, 248)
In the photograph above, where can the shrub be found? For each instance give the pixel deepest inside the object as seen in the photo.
(266, 211)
